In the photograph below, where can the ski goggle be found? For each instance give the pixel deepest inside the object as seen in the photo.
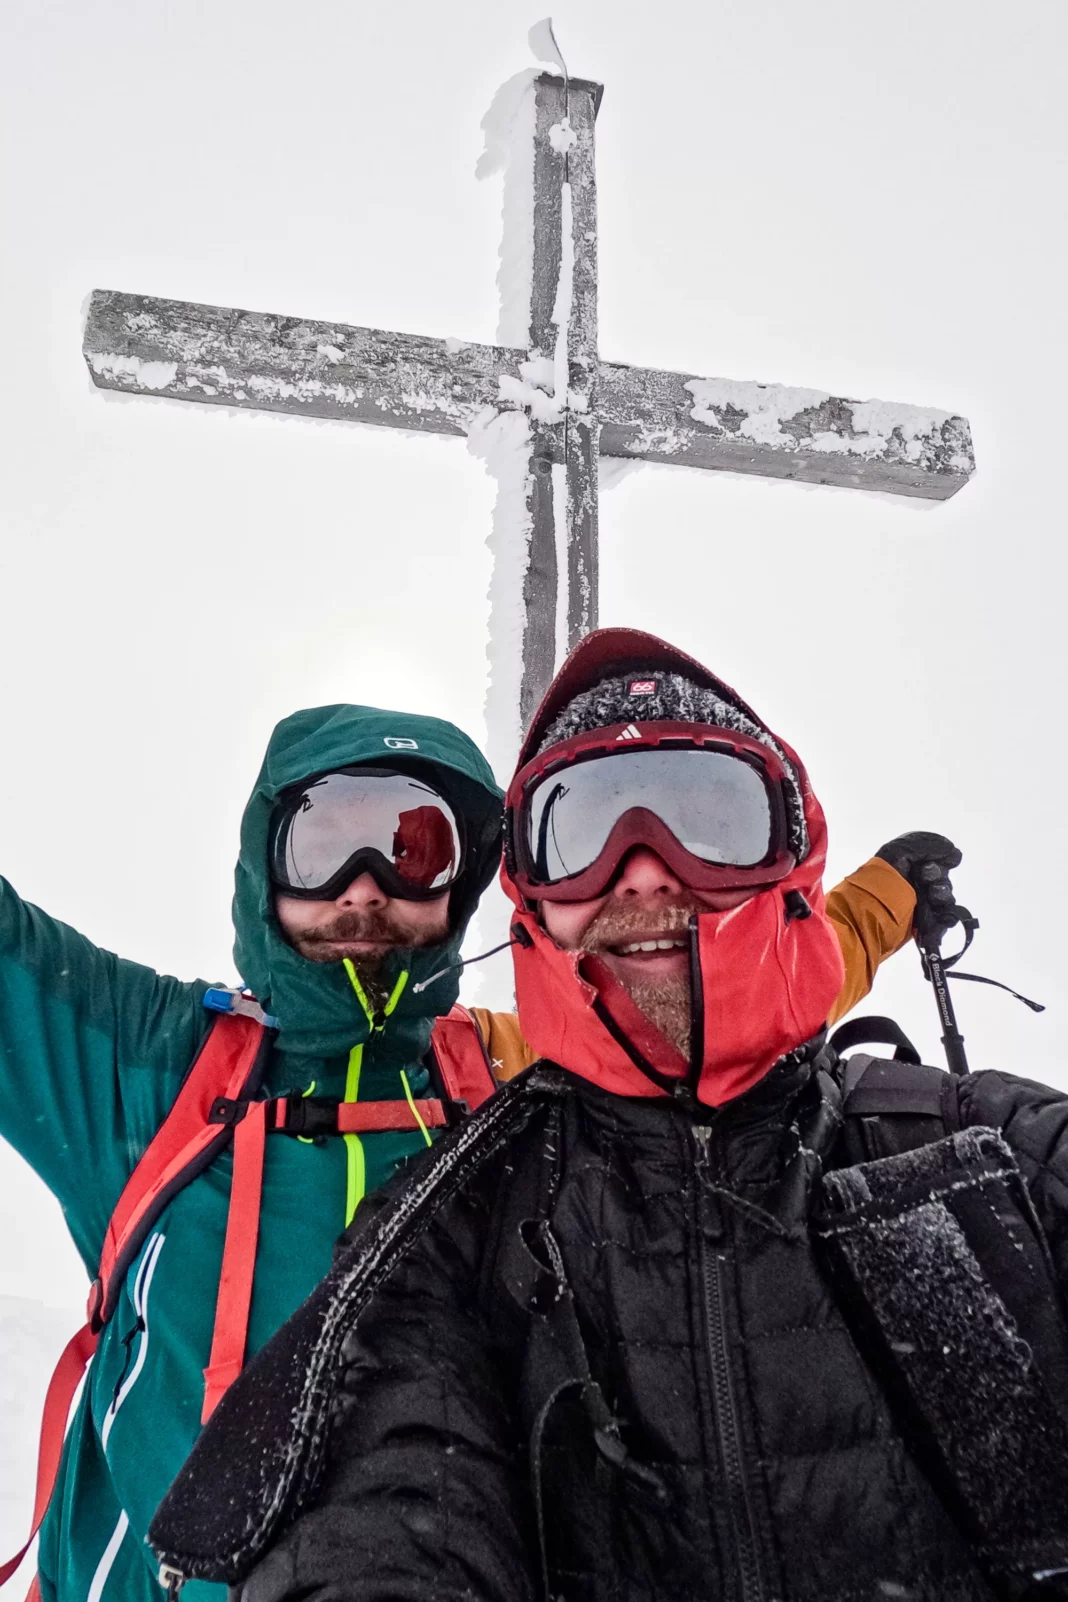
(395, 826)
(711, 805)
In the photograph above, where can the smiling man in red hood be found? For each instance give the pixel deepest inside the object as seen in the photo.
(592, 1349)
(651, 808)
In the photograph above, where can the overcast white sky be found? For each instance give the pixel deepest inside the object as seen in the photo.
(843, 195)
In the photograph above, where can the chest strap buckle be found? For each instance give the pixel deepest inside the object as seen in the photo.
(309, 1116)
(317, 1116)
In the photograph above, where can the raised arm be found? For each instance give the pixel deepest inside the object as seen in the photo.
(872, 913)
(370, 1452)
(904, 886)
(425, 1493)
(92, 1050)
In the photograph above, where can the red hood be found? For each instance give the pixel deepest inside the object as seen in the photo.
(767, 983)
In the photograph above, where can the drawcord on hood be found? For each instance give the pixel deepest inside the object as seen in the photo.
(451, 967)
(356, 1174)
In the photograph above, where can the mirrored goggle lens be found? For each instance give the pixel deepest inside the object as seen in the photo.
(400, 817)
(716, 806)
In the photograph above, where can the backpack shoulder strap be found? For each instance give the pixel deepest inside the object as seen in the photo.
(190, 1137)
(556, 1368)
(225, 1071)
(891, 1106)
(942, 1269)
(462, 1059)
(61, 1391)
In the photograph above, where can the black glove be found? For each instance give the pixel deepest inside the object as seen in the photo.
(925, 860)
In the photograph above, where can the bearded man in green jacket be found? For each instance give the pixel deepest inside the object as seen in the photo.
(93, 1051)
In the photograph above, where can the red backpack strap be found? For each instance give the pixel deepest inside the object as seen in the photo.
(462, 1058)
(191, 1136)
(230, 1334)
(197, 1127)
(61, 1389)
(465, 1068)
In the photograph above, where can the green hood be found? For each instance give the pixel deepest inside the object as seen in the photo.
(317, 1010)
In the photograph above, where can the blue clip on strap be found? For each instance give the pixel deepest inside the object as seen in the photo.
(219, 999)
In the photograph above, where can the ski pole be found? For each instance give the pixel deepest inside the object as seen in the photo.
(952, 1039)
(937, 969)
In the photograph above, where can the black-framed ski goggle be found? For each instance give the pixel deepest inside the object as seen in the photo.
(395, 826)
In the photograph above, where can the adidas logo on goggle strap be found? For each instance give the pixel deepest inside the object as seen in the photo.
(629, 733)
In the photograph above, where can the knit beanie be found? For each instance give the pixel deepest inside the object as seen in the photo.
(659, 697)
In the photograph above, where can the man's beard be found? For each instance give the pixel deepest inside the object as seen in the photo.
(667, 1002)
(369, 965)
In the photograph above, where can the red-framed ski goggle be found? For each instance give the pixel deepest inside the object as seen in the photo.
(395, 826)
(711, 804)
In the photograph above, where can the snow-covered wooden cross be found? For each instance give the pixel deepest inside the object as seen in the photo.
(553, 401)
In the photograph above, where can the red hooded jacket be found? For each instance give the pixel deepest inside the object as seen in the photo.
(764, 981)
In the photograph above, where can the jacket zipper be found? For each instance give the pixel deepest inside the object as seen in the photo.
(697, 1012)
(131, 1371)
(355, 1161)
(731, 1453)
(732, 1458)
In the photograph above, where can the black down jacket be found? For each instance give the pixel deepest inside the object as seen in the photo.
(420, 1431)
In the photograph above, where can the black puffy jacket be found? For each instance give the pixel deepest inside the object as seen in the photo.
(420, 1430)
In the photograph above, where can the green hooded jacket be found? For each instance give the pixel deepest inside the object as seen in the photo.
(93, 1050)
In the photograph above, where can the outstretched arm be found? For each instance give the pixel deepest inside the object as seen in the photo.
(92, 1050)
(425, 1495)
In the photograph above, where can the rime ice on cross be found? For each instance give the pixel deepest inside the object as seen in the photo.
(578, 406)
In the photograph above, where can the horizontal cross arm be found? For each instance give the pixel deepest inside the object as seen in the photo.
(777, 432)
(223, 356)
(228, 357)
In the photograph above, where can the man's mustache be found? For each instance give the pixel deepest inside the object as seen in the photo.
(616, 923)
(356, 926)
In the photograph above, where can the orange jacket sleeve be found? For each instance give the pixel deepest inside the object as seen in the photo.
(508, 1052)
(872, 915)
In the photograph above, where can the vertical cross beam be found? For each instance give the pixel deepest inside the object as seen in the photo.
(563, 335)
(582, 426)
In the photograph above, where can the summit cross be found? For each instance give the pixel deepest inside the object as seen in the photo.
(577, 407)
